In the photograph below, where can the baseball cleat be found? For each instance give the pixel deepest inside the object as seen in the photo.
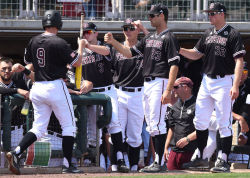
(71, 170)
(220, 166)
(13, 162)
(197, 163)
(153, 168)
(121, 166)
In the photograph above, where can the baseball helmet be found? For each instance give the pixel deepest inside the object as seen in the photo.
(52, 18)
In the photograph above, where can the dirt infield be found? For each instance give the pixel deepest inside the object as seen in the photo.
(92, 172)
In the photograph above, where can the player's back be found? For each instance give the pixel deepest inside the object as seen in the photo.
(49, 56)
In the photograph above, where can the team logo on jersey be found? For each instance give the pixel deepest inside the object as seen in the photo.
(216, 39)
(189, 111)
(211, 6)
(225, 32)
(154, 44)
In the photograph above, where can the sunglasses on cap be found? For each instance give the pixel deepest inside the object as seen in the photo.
(213, 13)
(153, 15)
(131, 28)
(245, 71)
(178, 86)
(89, 32)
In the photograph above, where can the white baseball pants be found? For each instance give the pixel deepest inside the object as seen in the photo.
(154, 110)
(215, 94)
(131, 115)
(52, 95)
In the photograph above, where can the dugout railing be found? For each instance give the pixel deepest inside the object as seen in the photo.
(179, 10)
(80, 103)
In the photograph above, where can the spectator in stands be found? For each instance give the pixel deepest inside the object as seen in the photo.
(241, 108)
(90, 8)
(181, 127)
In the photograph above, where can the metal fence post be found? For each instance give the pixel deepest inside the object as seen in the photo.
(6, 124)
(98, 110)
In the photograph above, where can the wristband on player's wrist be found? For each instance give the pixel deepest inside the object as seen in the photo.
(188, 140)
(26, 71)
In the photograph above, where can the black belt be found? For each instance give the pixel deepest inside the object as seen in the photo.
(148, 79)
(16, 127)
(212, 76)
(100, 89)
(128, 89)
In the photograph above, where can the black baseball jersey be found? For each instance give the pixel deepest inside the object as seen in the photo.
(19, 80)
(220, 48)
(97, 68)
(159, 53)
(180, 118)
(127, 72)
(49, 55)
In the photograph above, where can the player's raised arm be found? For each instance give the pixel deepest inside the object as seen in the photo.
(81, 45)
(103, 50)
(108, 38)
(190, 53)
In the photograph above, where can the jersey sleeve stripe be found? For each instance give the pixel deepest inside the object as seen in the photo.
(174, 58)
(76, 59)
(197, 50)
(26, 62)
(239, 52)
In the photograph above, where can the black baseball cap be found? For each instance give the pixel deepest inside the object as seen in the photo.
(128, 22)
(216, 7)
(158, 9)
(89, 26)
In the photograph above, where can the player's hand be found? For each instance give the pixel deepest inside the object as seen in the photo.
(166, 97)
(108, 38)
(86, 87)
(234, 92)
(182, 142)
(243, 125)
(17, 67)
(81, 43)
(24, 93)
(166, 155)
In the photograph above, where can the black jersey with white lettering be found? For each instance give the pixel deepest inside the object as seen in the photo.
(159, 53)
(97, 68)
(49, 55)
(19, 80)
(127, 72)
(220, 48)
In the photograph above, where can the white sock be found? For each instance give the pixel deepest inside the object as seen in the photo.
(119, 155)
(114, 168)
(65, 162)
(134, 168)
(125, 155)
(18, 150)
(141, 158)
(157, 159)
(224, 156)
(102, 162)
(219, 154)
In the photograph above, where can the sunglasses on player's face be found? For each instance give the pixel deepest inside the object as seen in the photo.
(131, 28)
(153, 15)
(89, 32)
(213, 13)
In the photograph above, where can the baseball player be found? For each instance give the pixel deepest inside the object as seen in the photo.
(222, 50)
(128, 81)
(160, 67)
(96, 67)
(49, 56)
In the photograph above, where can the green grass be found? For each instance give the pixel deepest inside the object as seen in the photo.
(188, 175)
